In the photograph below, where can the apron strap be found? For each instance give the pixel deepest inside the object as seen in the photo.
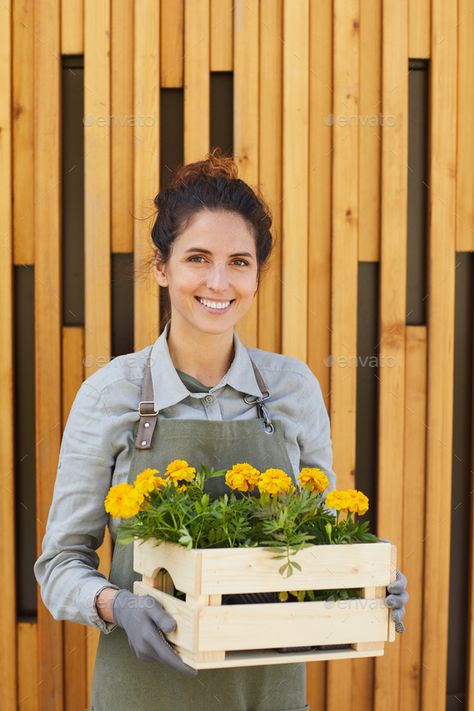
(148, 414)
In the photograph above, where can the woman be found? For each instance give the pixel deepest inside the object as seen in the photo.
(198, 394)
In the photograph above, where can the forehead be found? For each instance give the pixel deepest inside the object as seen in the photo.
(215, 230)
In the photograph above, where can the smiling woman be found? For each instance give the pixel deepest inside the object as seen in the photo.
(212, 238)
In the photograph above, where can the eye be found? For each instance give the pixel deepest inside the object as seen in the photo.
(243, 262)
(195, 256)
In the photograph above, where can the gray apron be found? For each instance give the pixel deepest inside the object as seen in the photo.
(122, 682)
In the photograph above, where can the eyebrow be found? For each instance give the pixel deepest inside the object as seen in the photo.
(207, 251)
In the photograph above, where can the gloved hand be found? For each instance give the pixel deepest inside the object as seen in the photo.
(144, 621)
(397, 599)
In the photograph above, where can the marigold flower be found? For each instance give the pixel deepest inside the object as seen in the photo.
(146, 481)
(337, 499)
(123, 501)
(242, 477)
(179, 470)
(313, 478)
(347, 500)
(274, 482)
(357, 502)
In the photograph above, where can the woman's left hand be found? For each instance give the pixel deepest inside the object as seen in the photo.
(397, 599)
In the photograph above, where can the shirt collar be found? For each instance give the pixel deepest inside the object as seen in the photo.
(168, 387)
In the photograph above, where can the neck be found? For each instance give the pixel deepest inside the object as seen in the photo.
(205, 356)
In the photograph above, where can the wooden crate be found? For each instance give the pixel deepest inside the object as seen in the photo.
(210, 635)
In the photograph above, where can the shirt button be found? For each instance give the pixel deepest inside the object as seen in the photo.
(209, 399)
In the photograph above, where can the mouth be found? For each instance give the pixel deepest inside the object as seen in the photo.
(215, 307)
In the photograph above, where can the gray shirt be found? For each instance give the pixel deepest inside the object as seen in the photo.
(97, 445)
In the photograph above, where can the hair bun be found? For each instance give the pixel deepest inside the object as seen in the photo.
(215, 165)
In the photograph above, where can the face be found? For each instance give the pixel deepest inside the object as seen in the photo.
(211, 273)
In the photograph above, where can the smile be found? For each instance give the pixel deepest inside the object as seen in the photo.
(215, 306)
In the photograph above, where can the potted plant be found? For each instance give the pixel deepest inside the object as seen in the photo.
(265, 568)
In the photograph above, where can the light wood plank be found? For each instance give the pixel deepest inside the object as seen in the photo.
(419, 28)
(413, 519)
(8, 650)
(47, 231)
(27, 633)
(196, 80)
(392, 309)
(221, 35)
(246, 120)
(123, 121)
(172, 43)
(465, 126)
(146, 168)
(23, 128)
(72, 26)
(97, 183)
(345, 216)
(270, 157)
(75, 641)
(371, 122)
(441, 248)
(319, 176)
(295, 177)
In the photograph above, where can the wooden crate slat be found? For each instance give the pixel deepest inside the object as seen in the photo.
(72, 26)
(221, 36)
(172, 43)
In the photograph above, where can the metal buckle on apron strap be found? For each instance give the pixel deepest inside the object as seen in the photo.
(263, 413)
(145, 426)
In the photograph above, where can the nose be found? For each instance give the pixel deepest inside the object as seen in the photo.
(217, 277)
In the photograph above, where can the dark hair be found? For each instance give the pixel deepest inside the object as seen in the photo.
(210, 184)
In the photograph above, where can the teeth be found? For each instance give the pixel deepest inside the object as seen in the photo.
(214, 304)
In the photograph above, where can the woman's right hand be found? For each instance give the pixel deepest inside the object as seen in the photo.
(144, 621)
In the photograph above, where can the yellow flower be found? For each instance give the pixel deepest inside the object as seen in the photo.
(179, 470)
(313, 478)
(348, 500)
(146, 481)
(123, 501)
(242, 477)
(274, 482)
(357, 502)
(338, 500)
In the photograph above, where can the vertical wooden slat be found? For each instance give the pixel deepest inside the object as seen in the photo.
(72, 26)
(196, 80)
(146, 166)
(470, 621)
(393, 270)
(23, 128)
(442, 226)
(97, 216)
(419, 28)
(27, 634)
(345, 211)
(246, 119)
(319, 176)
(47, 320)
(75, 641)
(122, 125)
(270, 156)
(295, 176)
(172, 43)
(8, 649)
(413, 515)
(371, 123)
(221, 35)
(465, 125)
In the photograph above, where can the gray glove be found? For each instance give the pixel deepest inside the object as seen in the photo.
(397, 600)
(144, 621)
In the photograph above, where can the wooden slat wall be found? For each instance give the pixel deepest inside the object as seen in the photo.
(320, 126)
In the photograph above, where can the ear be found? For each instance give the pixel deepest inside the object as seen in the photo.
(159, 272)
